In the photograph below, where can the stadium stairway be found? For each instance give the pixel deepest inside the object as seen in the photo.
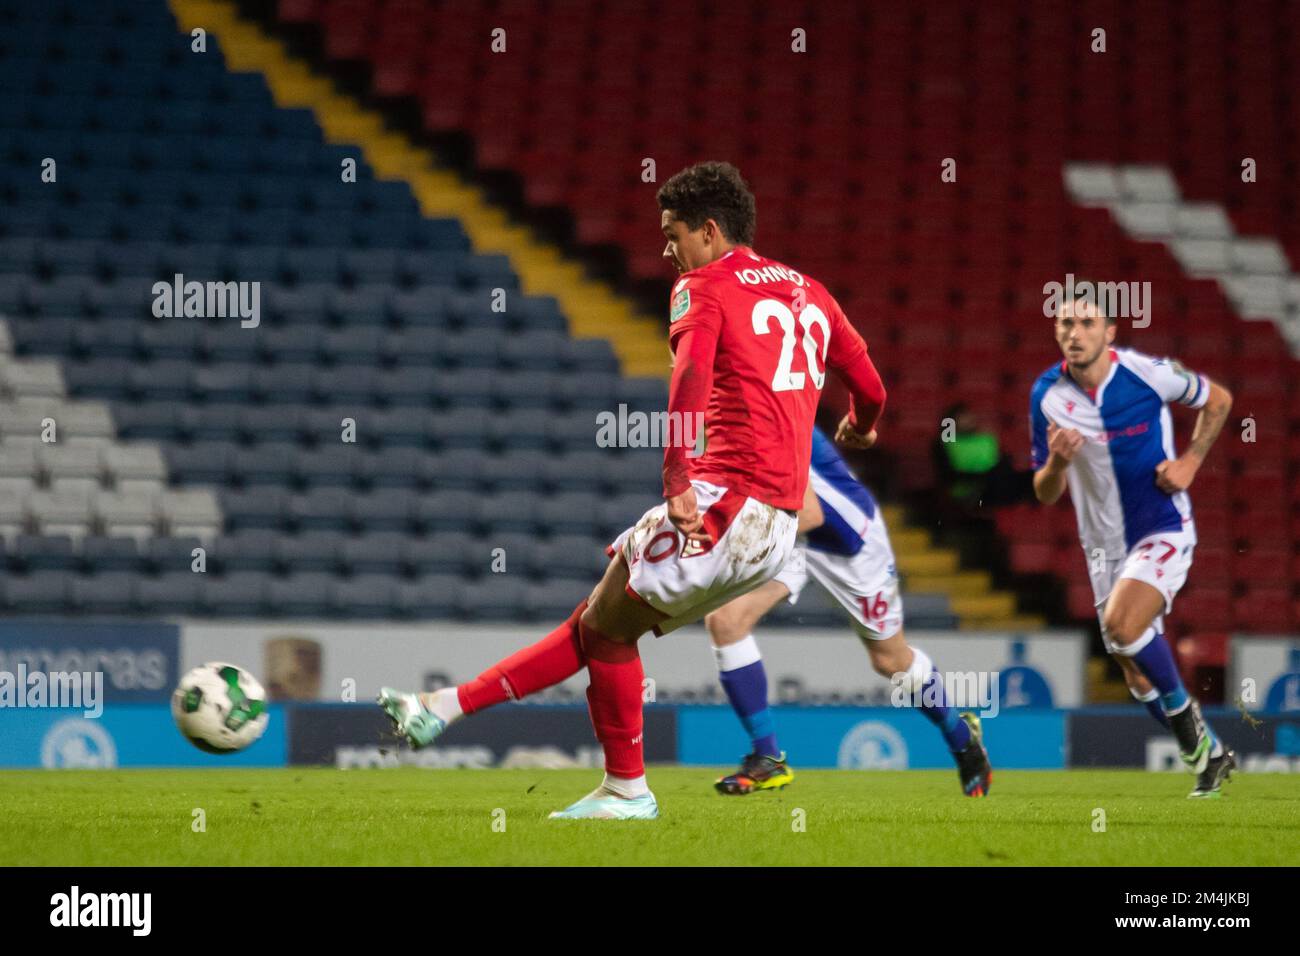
(591, 307)
(929, 572)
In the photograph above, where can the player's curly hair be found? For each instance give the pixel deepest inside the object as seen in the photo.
(712, 190)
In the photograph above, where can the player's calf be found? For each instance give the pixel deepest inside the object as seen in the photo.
(1150, 652)
(914, 674)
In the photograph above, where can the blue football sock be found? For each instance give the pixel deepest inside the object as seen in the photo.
(1154, 707)
(1156, 661)
(955, 732)
(746, 689)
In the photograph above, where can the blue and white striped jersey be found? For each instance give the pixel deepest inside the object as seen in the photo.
(1127, 432)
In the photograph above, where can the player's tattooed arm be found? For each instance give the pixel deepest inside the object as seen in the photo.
(1062, 445)
(1174, 475)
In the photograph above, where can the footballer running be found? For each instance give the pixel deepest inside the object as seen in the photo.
(752, 340)
(847, 552)
(1100, 425)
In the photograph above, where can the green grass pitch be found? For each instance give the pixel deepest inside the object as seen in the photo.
(417, 817)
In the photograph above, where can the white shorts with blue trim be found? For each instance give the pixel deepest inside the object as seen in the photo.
(865, 584)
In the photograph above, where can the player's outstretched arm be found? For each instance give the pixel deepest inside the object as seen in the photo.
(1049, 481)
(1176, 474)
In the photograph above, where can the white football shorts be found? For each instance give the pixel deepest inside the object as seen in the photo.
(685, 580)
(1161, 560)
(864, 584)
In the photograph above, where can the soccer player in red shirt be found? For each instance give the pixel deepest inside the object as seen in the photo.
(751, 341)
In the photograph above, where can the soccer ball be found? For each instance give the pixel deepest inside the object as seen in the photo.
(220, 708)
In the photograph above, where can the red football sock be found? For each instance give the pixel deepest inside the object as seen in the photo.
(614, 700)
(554, 658)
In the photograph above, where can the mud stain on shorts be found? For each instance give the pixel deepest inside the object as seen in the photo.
(751, 531)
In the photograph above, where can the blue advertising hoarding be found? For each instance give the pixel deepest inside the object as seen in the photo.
(864, 738)
(126, 735)
(139, 659)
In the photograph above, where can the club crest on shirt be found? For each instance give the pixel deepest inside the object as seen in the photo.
(681, 305)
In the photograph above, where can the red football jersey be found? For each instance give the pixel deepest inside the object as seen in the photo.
(777, 333)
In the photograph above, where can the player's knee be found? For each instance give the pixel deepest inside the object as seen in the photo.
(725, 626)
(1121, 629)
(910, 666)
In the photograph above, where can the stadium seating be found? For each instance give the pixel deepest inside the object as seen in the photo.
(1125, 164)
(359, 452)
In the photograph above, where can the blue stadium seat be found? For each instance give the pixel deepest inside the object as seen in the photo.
(570, 513)
(431, 596)
(42, 592)
(101, 554)
(36, 553)
(494, 597)
(510, 512)
(204, 463)
(573, 556)
(445, 553)
(322, 509)
(378, 552)
(286, 384)
(469, 390)
(217, 422)
(172, 593)
(554, 598)
(448, 511)
(273, 423)
(252, 549)
(365, 596)
(301, 595)
(260, 508)
(311, 551)
(330, 467)
(390, 509)
(113, 592)
(239, 594)
(460, 469)
(163, 555)
(267, 464)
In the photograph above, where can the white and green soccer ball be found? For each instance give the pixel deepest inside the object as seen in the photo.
(220, 708)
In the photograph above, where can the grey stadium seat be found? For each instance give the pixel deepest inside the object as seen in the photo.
(127, 513)
(60, 512)
(135, 467)
(190, 512)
